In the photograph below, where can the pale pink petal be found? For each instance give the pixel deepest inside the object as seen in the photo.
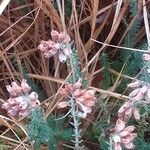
(129, 128)
(33, 96)
(11, 101)
(123, 133)
(23, 105)
(146, 57)
(12, 112)
(124, 107)
(34, 103)
(134, 84)
(6, 105)
(120, 125)
(129, 145)
(144, 89)
(117, 139)
(11, 90)
(136, 114)
(63, 37)
(54, 35)
(126, 139)
(92, 92)
(138, 97)
(62, 104)
(63, 92)
(15, 108)
(62, 57)
(134, 92)
(78, 84)
(77, 92)
(80, 99)
(24, 113)
(67, 39)
(117, 146)
(148, 70)
(16, 87)
(89, 102)
(148, 94)
(25, 87)
(85, 110)
(68, 87)
(81, 114)
(19, 99)
(128, 113)
(66, 52)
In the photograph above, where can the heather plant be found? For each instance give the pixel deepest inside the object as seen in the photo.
(76, 97)
(84, 83)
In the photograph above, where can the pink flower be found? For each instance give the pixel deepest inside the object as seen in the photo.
(123, 136)
(146, 57)
(59, 45)
(24, 113)
(20, 100)
(135, 84)
(85, 110)
(85, 99)
(134, 92)
(127, 110)
(25, 87)
(34, 103)
(33, 96)
(62, 104)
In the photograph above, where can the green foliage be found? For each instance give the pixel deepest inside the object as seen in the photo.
(33, 86)
(77, 71)
(49, 131)
(59, 132)
(144, 76)
(131, 59)
(133, 7)
(141, 145)
(75, 64)
(38, 129)
(107, 79)
(68, 7)
(2, 146)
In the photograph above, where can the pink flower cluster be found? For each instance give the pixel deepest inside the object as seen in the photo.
(140, 94)
(58, 45)
(85, 99)
(20, 100)
(127, 110)
(123, 136)
(146, 57)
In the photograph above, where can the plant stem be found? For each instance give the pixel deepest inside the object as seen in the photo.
(75, 124)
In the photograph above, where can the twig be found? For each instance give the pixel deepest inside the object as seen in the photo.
(146, 24)
(120, 47)
(3, 5)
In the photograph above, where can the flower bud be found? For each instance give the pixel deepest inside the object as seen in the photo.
(135, 84)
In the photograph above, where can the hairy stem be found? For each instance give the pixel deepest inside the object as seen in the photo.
(75, 124)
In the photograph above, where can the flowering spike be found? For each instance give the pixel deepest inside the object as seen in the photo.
(20, 101)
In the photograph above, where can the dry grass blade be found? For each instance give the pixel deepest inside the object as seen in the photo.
(94, 27)
(146, 23)
(3, 5)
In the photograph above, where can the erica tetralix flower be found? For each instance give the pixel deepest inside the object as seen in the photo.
(57, 46)
(85, 99)
(127, 110)
(21, 100)
(123, 136)
(146, 57)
